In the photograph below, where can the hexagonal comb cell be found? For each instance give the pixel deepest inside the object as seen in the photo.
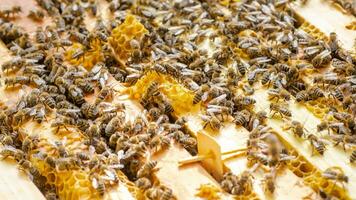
(122, 35)
(178, 95)
(312, 30)
(77, 54)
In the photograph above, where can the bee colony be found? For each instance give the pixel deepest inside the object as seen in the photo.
(178, 99)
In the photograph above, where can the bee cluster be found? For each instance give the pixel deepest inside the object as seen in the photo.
(219, 55)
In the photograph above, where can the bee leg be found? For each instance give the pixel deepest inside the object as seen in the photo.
(57, 130)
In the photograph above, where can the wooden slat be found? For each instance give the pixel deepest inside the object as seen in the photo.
(328, 19)
(15, 185)
(333, 156)
(231, 137)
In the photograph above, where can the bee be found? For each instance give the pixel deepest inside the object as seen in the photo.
(297, 128)
(322, 58)
(47, 100)
(167, 194)
(213, 122)
(160, 141)
(90, 111)
(12, 11)
(36, 15)
(28, 144)
(100, 146)
(51, 196)
(10, 151)
(7, 140)
(63, 122)
(241, 118)
(243, 183)
(38, 112)
(337, 93)
(167, 106)
(105, 93)
(16, 80)
(220, 110)
(302, 96)
(266, 77)
(76, 94)
(84, 85)
(280, 109)
(154, 113)
(16, 63)
(152, 88)
(353, 156)
(269, 182)
(51, 161)
(337, 174)
(153, 193)
(317, 144)
(279, 94)
(25, 165)
(143, 183)
(61, 149)
(147, 169)
(113, 125)
(344, 139)
(198, 94)
(99, 185)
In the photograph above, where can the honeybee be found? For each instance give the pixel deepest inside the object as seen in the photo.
(337, 174)
(243, 184)
(337, 94)
(167, 194)
(105, 93)
(12, 11)
(84, 85)
(269, 182)
(147, 169)
(10, 151)
(90, 111)
(143, 183)
(76, 94)
(280, 109)
(99, 185)
(322, 58)
(302, 96)
(16, 80)
(344, 139)
(160, 142)
(241, 118)
(199, 94)
(113, 125)
(211, 120)
(297, 128)
(353, 156)
(51, 161)
(279, 94)
(317, 144)
(153, 193)
(36, 15)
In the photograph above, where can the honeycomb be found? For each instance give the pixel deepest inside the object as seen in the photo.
(320, 108)
(208, 192)
(178, 95)
(312, 30)
(311, 175)
(90, 57)
(122, 35)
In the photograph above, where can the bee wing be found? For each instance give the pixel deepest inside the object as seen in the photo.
(32, 111)
(205, 96)
(39, 81)
(110, 175)
(95, 183)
